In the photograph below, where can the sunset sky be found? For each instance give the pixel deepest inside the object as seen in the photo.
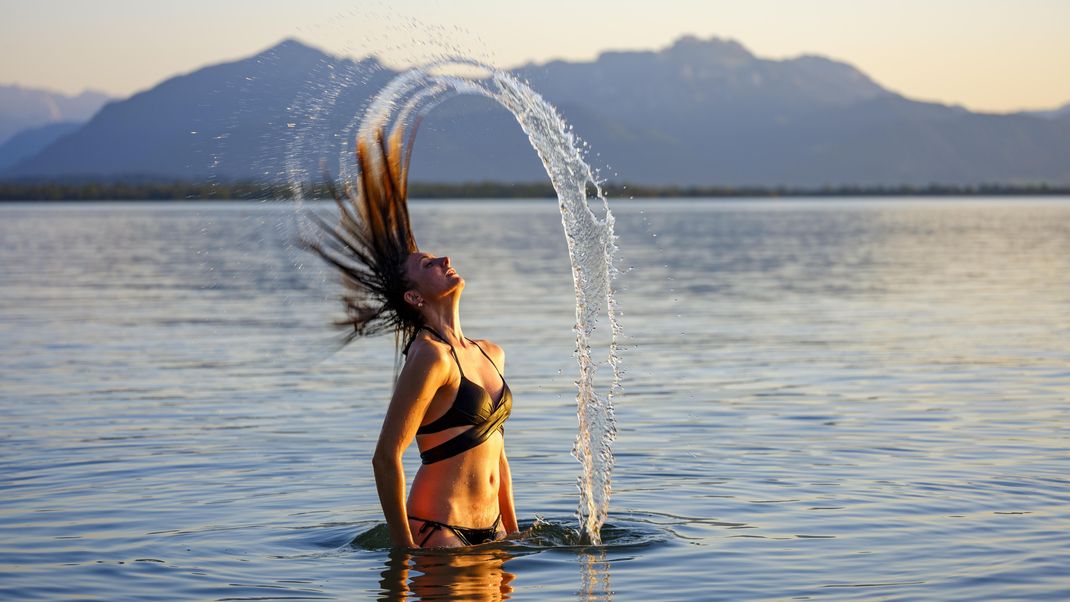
(988, 55)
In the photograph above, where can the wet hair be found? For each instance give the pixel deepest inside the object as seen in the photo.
(372, 240)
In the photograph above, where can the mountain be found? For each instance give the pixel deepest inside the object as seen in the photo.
(224, 121)
(699, 112)
(31, 141)
(1062, 112)
(24, 108)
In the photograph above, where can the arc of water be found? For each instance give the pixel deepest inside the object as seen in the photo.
(591, 242)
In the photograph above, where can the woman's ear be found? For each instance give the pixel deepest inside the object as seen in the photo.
(413, 298)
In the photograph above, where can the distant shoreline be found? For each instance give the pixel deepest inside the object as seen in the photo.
(170, 191)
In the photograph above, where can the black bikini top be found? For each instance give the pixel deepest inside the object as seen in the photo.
(473, 407)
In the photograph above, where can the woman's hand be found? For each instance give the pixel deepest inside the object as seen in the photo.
(425, 371)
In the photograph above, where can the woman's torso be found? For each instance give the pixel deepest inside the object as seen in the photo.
(461, 489)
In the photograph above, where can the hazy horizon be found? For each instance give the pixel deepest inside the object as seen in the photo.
(985, 55)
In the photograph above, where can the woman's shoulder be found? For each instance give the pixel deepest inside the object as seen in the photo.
(492, 349)
(426, 349)
(489, 345)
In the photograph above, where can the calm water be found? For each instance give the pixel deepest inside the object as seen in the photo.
(824, 400)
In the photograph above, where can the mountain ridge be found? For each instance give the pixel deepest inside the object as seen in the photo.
(23, 107)
(697, 112)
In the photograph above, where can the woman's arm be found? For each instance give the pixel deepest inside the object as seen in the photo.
(505, 495)
(505, 479)
(424, 372)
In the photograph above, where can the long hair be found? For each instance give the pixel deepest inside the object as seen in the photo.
(372, 240)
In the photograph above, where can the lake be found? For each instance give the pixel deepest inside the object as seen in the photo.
(824, 399)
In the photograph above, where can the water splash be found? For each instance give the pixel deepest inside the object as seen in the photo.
(397, 110)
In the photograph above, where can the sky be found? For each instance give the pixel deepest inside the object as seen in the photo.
(986, 55)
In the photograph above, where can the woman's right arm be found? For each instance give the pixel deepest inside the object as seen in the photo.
(425, 371)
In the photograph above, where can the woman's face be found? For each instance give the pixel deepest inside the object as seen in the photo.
(432, 277)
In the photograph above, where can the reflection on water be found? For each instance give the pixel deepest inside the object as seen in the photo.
(477, 574)
(594, 578)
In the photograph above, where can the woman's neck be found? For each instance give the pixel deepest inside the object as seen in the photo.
(447, 322)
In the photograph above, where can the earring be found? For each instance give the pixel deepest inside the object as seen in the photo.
(420, 304)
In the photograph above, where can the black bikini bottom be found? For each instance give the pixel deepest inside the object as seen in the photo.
(468, 536)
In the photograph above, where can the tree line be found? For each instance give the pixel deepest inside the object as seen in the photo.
(178, 190)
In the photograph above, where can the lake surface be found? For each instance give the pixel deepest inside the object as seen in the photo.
(824, 400)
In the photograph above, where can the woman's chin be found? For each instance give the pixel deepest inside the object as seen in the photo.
(454, 287)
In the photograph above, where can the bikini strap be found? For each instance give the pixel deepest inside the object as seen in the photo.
(429, 526)
(488, 358)
(444, 340)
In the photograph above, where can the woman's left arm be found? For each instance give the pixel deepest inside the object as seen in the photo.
(505, 479)
(505, 495)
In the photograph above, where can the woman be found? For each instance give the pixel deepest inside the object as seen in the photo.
(451, 395)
